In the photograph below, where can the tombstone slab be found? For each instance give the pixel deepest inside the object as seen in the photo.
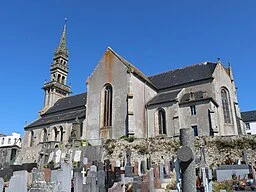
(1, 184)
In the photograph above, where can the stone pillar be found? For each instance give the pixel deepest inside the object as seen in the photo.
(187, 160)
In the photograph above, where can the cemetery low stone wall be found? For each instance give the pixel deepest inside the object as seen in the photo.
(28, 155)
(218, 150)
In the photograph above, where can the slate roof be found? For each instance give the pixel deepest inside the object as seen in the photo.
(249, 116)
(65, 109)
(68, 103)
(164, 97)
(184, 75)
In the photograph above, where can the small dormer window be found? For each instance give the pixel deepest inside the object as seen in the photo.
(192, 96)
(193, 109)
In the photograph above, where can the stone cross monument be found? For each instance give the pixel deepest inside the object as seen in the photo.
(187, 160)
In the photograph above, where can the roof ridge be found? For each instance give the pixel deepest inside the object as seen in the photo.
(71, 96)
(181, 68)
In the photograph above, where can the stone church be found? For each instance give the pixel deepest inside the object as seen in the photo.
(122, 101)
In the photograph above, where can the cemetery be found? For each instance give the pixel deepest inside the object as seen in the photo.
(79, 168)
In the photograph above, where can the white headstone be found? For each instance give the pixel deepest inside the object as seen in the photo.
(85, 160)
(58, 155)
(118, 163)
(84, 175)
(77, 156)
(1, 184)
(51, 157)
(93, 168)
(63, 155)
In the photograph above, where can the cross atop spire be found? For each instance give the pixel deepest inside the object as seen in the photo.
(62, 48)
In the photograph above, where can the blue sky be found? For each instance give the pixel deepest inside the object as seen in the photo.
(155, 36)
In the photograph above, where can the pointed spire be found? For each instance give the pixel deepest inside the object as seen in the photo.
(62, 48)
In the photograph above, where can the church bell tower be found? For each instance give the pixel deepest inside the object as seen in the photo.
(56, 88)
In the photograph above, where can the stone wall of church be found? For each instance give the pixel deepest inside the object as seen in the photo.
(38, 134)
(142, 93)
(200, 119)
(111, 71)
(172, 119)
(223, 80)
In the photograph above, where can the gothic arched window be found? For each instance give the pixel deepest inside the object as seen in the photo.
(44, 135)
(160, 122)
(55, 134)
(107, 106)
(61, 134)
(31, 138)
(226, 105)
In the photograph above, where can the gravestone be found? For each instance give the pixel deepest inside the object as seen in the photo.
(1, 184)
(85, 160)
(93, 168)
(90, 185)
(137, 184)
(109, 175)
(47, 174)
(1, 165)
(113, 165)
(18, 182)
(78, 181)
(210, 180)
(135, 168)
(145, 186)
(77, 156)
(101, 178)
(128, 156)
(117, 174)
(167, 168)
(36, 175)
(161, 172)
(58, 156)
(84, 174)
(51, 157)
(118, 163)
(157, 182)
(151, 180)
(122, 172)
(245, 157)
(143, 167)
(66, 177)
(139, 168)
(185, 155)
(128, 167)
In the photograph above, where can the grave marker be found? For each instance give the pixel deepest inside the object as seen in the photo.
(128, 167)
(1, 184)
(58, 156)
(51, 157)
(77, 156)
(78, 181)
(185, 155)
(84, 175)
(101, 177)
